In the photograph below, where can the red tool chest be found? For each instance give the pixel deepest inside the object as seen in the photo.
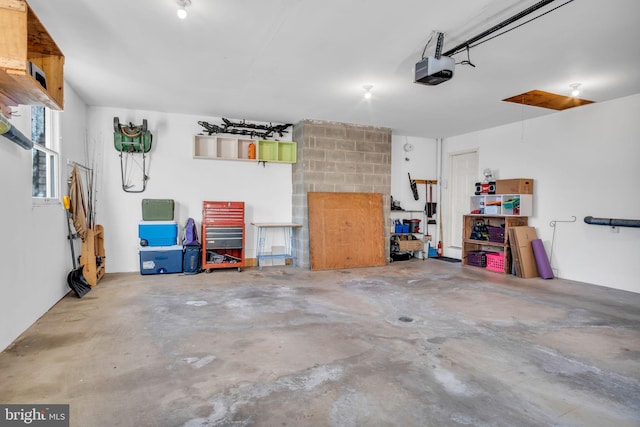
(223, 235)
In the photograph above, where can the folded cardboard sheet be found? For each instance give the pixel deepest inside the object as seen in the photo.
(520, 239)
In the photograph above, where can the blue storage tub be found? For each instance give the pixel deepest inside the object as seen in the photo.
(158, 233)
(402, 228)
(161, 259)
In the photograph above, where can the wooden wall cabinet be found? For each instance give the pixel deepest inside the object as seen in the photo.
(25, 40)
(469, 244)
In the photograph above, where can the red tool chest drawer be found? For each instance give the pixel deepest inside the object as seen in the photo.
(223, 212)
(223, 235)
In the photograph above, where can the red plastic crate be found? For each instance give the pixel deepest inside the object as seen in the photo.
(495, 262)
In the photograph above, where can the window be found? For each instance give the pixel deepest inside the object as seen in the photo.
(45, 164)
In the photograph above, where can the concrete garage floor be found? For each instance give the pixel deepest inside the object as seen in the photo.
(290, 347)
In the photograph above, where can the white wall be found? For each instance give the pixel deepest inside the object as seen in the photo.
(174, 174)
(35, 256)
(421, 163)
(585, 162)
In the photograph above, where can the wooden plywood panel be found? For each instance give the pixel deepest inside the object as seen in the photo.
(346, 230)
(539, 98)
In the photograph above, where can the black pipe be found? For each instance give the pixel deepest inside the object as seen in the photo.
(10, 132)
(495, 28)
(612, 222)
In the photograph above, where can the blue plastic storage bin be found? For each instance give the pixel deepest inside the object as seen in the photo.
(161, 259)
(402, 228)
(158, 233)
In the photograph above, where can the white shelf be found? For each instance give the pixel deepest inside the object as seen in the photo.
(501, 204)
(222, 147)
(226, 147)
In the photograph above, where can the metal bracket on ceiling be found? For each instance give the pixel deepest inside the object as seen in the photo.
(469, 43)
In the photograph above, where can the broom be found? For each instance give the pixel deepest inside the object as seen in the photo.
(75, 278)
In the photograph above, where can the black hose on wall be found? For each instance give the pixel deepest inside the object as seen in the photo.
(10, 132)
(612, 222)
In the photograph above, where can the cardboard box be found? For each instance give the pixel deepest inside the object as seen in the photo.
(515, 255)
(410, 245)
(523, 236)
(161, 259)
(514, 186)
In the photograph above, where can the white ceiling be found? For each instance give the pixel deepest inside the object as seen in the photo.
(282, 61)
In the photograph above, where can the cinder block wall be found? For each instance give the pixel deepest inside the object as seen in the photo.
(338, 157)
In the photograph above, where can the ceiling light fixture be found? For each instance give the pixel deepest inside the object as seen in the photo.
(367, 91)
(182, 8)
(575, 89)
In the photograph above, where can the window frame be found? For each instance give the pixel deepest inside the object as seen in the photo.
(51, 149)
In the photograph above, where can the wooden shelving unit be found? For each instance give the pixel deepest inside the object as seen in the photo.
(25, 40)
(469, 244)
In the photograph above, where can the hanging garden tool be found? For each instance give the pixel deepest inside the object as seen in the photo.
(431, 205)
(133, 142)
(245, 128)
(75, 279)
(414, 187)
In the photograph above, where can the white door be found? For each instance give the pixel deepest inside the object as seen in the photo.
(464, 175)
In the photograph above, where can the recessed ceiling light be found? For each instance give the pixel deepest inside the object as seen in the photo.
(367, 91)
(575, 89)
(182, 8)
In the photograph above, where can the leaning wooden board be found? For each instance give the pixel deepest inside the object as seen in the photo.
(523, 236)
(93, 255)
(346, 230)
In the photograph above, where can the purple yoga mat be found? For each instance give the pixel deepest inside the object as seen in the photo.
(544, 267)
